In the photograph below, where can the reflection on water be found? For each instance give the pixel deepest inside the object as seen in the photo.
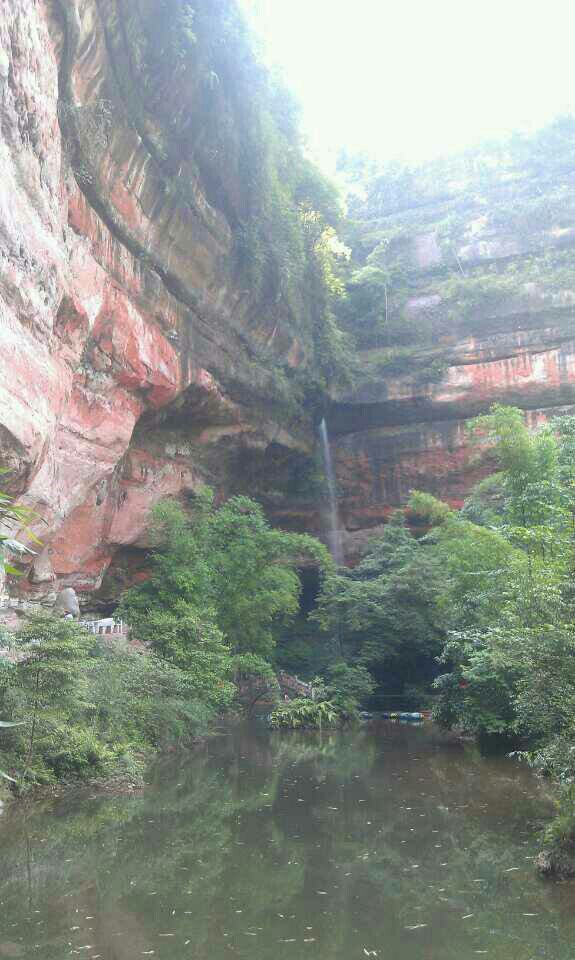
(367, 844)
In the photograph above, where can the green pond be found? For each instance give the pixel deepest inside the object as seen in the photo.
(384, 843)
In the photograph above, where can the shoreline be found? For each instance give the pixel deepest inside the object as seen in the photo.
(116, 784)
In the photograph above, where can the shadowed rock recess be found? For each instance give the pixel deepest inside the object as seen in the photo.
(140, 357)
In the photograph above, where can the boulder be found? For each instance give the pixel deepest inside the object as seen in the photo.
(67, 603)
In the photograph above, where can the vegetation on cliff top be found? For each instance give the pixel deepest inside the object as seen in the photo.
(458, 244)
(211, 110)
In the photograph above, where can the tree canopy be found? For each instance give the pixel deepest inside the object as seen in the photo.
(222, 579)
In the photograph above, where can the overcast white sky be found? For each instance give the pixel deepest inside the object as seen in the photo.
(414, 79)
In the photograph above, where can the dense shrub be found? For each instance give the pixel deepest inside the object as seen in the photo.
(301, 714)
(222, 581)
(84, 710)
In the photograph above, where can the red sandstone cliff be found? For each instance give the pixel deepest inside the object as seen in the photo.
(117, 299)
(466, 283)
(128, 343)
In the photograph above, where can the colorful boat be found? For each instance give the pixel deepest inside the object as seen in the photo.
(393, 715)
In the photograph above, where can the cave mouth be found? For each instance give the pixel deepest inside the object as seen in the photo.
(310, 588)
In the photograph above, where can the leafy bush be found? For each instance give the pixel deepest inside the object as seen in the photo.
(4, 725)
(303, 713)
(222, 581)
(335, 701)
(349, 685)
(508, 603)
(382, 617)
(561, 830)
(82, 710)
(557, 758)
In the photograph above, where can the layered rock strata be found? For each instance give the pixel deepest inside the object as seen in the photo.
(119, 308)
(129, 344)
(475, 263)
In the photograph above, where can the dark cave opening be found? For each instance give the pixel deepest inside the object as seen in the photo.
(310, 586)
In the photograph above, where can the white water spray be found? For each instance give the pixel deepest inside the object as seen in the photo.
(334, 530)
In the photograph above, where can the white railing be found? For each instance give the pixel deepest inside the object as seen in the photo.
(107, 625)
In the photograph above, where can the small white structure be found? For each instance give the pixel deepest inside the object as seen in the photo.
(107, 625)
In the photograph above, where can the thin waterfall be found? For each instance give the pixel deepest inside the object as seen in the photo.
(334, 531)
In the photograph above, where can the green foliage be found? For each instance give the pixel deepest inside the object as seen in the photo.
(185, 637)
(13, 514)
(403, 361)
(302, 713)
(428, 508)
(10, 512)
(555, 758)
(484, 504)
(146, 701)
(561, 831)
(250, 666)
(348, 686)
(8, 726)
(245, 147)
(431, 246)
(255, 679)
(78, 709)
(488, 592)
(383, 613)
(222, 580)
(507, 597)
(471, 558)
(302, 648)
(48, 688)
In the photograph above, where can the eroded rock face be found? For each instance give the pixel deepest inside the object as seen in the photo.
(115, 301)
(479, 308)
(127, 339)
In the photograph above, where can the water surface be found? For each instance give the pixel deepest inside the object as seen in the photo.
(380, 843)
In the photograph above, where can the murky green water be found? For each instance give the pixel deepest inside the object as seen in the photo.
(370, 844)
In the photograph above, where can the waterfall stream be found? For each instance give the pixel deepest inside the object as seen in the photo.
(334, 531)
